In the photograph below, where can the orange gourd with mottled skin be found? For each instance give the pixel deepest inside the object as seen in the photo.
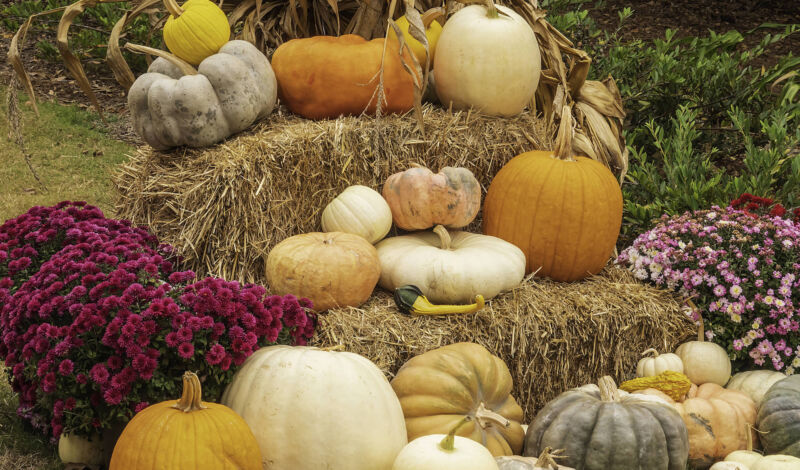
(420, 199)
(564, 213)
(326, 76)
(187, 434)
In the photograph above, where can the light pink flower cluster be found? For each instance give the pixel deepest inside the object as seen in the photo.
(743, 269)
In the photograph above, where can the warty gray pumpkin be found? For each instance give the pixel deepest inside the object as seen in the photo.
(603, 428)
(173, 104)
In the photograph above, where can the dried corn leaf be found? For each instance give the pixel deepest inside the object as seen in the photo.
(15, 59)
(114, 58)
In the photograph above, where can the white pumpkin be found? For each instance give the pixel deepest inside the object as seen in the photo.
(729, 466)
(444, 452)
(704, 362)
(658, 363)
(74, 449)
(749, 460)
(487, 60)
(312, 409)
(450, 267)
(358, 210)
(755, 383)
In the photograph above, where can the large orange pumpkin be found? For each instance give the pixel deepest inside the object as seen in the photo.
(333, 269)
(563, 212)
(326, 76)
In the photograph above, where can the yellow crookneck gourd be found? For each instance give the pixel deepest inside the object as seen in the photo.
(196, 30)
(674, 384)
(409, 299)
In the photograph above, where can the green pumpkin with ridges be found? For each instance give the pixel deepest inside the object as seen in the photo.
(779, 417)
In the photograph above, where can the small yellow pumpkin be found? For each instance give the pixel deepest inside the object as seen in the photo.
(187, 434)
(196, 30)
(433, 29)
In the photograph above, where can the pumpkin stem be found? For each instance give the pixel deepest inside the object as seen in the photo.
(485, 417)
(564, 137)
(173, 8)
(491, 10)
(432, 15)
(651, 350)
(192, 394)
(448, 443)
(608, 389)
(546, 458)
(186, 67)
(444, 236)
(701, 328)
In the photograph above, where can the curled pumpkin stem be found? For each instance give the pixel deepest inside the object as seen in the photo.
(431, 15)
(485, 417)
(448, 443)
(547, 458)
(173, 8)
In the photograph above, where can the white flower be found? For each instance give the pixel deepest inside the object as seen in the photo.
(681, 245)
(711, 215)
(787, 243)
(651, 236)
(789, 370)
(640, 274)
(796, 362)
(655, 267)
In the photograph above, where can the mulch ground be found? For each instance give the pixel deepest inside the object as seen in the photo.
(650, 20)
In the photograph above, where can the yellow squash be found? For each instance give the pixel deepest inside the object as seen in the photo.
(196, 30)
(674, 384)
(433, 29)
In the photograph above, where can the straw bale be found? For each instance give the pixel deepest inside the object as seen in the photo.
(553, 336)
(226, 206)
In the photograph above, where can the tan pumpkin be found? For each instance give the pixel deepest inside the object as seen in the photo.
(358, 210)
(704, 362)
(420, 199)
(729, 466)
(312, 409)
(450, 267)
(330, 269)
(658, 363)
(439, 388)
(755, 383)
(717, 420)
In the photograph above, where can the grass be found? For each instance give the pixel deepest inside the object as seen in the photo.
(73, 156)
(71, 153)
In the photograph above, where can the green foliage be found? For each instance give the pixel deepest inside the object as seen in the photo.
(704, 124)
(89, 33)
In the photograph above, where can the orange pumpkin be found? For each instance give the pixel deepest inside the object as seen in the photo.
(563, 212)
(326, 76)
(420, 199)
(333, 269)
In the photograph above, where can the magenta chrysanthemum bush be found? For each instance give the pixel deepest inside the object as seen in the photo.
(104, 326)
(743, 269)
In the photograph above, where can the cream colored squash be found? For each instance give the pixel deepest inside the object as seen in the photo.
(729, 466)
(704, 362)
(444, 452)
(777, 462)
(487, 60)
(358, 210)
(450, 267)
(74, 449)
(755, 383)
(312, 409)
(658, 363)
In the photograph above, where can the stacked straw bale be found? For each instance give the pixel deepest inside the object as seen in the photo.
(226, 206)
(553, 336)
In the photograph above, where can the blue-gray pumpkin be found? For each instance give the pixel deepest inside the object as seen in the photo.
(602, 428)
(779, 418)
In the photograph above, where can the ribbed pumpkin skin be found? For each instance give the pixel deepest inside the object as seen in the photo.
(779, 417)
(632, 434)
(716, 420)
(198, 33)
(330, 269)
(318, 410)
(564, 215)
(326, 77)
(438, 388)
(163, 438)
